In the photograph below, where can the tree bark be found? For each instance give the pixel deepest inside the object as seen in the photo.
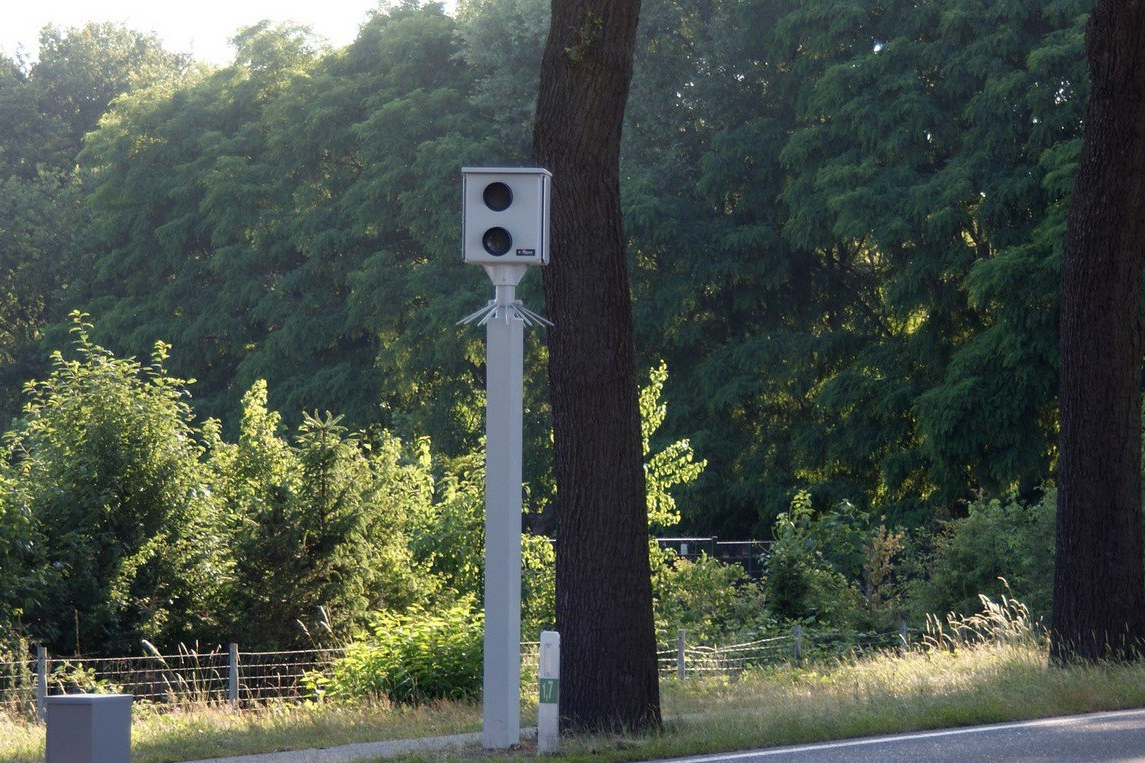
(604, 596)
(1099, 591)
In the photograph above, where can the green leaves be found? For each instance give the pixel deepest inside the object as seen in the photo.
(844, 223)
(879, 266)
(668, 467)
(105, 467)
(414, 657)
(319, 528)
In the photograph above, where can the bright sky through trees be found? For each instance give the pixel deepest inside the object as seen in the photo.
(200, 28)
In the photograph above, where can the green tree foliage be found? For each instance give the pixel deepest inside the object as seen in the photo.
(448, 534)
(501, 45)
(318, 529)
(714, 602)
(709, 599)
(80, 71)
(49, 105)
(42, 218)
(843, 222)
(812, 568)
(105, 485)
(45, 110)
(673, 465)
(122, 521)
(289, 218)
(861, 271)
(19, 536)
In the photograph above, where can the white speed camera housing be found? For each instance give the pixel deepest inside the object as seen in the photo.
(505, 215)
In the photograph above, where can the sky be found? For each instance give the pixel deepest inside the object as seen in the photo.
(198, 27)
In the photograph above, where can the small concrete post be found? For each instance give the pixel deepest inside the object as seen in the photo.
(548, 710)
(89, 728)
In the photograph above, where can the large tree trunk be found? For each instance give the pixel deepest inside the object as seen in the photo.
(604, 594)
(1099, 594)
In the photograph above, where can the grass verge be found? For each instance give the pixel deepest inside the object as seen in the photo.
(790, 705)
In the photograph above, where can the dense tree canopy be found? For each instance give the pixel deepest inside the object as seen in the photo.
(47, 109)
(843, 224)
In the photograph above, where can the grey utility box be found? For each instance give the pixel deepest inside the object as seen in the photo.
(89, 728)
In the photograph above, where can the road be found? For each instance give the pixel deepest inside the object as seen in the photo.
(1115, 737)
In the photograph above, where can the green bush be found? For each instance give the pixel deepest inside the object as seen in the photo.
(815, 564)
(998, 548)
(112, 510)
(413, 657)
(714, 602)
(538, 586)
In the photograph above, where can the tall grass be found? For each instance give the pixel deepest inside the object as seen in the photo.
(990, 668)
(983, 683)
(215, 731)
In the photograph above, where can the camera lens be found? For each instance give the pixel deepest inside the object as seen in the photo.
(497, 241)
(497, 196)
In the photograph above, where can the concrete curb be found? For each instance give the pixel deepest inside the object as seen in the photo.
(351, 753)
(364, 751)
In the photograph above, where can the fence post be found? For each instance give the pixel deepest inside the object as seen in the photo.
(681, 636)
(233, 674)
(797, 632)
(904, 635)
(42, 682)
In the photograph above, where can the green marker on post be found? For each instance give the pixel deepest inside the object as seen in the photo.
(550, 690)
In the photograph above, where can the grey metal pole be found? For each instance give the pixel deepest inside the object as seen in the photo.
(503, 423)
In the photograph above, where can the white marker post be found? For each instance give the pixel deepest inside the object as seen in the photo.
(548, 710)
(505, 230)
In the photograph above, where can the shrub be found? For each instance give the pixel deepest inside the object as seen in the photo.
(104, 486)
(998, 546)
(814, 565)
(711, 600)
(413, 657)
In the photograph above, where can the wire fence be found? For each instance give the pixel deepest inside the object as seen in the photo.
(683, 659)
(229, 676)
(189, 677)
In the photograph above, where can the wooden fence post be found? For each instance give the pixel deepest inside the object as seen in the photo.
(797, 632)
(233, 674)
(42, 666)
(680, 637)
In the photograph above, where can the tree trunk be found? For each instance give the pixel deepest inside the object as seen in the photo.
(604, 596)
(1099, 593)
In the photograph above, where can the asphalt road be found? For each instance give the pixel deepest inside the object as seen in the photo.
(1116, 737)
